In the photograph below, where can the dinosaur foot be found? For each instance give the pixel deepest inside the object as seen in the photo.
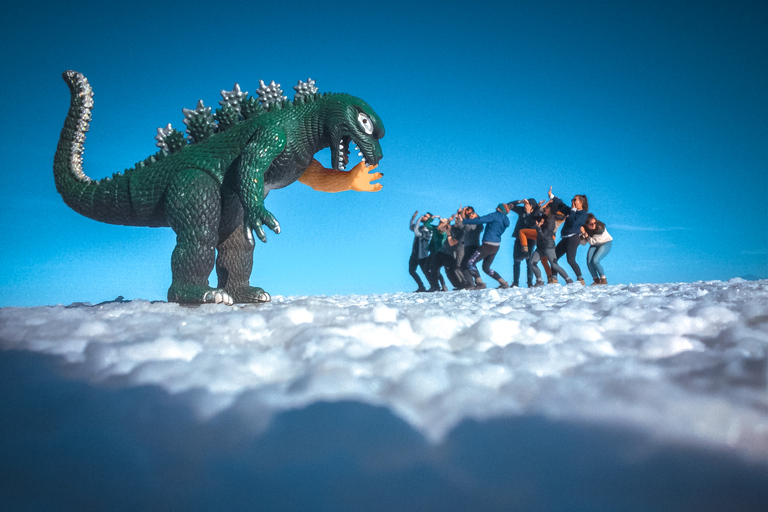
(249, 294)
(196, 294)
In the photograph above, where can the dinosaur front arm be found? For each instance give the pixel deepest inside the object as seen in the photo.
(359, 178)
(254, 162)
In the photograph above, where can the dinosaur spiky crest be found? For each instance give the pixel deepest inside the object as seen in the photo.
(169, 139)
(236, 105)
(200, 124)
(250, 107)
(233, 98)
(304, 90)
(227, 117)
(271, 95)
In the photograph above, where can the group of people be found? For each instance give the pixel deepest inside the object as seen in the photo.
(460, 242)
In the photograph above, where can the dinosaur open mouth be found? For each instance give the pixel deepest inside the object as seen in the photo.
(343, 152)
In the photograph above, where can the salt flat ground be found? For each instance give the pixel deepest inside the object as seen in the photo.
(625, 397)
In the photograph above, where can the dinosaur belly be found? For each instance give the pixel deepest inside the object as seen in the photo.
(284, 170)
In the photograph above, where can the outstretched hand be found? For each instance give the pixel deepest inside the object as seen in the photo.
(362, 177)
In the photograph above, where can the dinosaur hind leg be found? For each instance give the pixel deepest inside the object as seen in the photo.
(193, 208)
(235, 254)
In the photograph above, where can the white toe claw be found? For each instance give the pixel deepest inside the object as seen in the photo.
(219, 297)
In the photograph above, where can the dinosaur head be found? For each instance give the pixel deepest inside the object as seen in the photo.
(351, 120)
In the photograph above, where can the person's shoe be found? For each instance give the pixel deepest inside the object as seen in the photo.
(479, 286)
(597, 281)
(581, 281)
(420, 290)
(524, 249)
(503, 284)
(552, 280)
(433, 289)
(568, 280)
(603, 280)
(539, 282)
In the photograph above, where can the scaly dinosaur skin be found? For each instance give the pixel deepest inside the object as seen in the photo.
(211, 188)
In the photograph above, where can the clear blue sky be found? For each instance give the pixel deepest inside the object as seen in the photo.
(656, 110)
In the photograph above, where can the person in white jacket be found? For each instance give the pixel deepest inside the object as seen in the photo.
(594, 233)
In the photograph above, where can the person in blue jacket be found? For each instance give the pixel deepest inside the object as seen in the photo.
(495, 225)
(570, 233)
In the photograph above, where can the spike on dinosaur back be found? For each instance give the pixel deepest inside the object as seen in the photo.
(233, 98)
(169, 139)
(304, 89)
(227, 117)
(200, 124)
(270, 95)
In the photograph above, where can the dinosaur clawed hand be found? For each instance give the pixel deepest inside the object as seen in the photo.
(259, 218)
(362, 177)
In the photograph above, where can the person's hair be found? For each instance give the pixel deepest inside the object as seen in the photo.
(584, 203)
(469, 208)
(598, 228)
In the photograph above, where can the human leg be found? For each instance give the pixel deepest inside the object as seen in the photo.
(413, 264)
(517, 258)
(572, 247)
(600, 253)
(488, 255)
(424, 266)
(560, 249)
(433, 275)
(533, 265)
(590, 264)
(556, 268)
(547, 267)
(472, 268)
(528, 266)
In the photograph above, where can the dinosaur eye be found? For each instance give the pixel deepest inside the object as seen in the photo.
(365, 123)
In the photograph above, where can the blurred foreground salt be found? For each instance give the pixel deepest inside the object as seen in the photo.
(684, 362)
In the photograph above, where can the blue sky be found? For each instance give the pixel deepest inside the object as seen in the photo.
(657, 111)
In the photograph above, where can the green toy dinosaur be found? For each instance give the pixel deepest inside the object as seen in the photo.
(210, 188)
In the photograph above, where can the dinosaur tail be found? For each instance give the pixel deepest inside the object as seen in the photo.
(107, 200)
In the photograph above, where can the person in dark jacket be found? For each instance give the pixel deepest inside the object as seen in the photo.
(471, 243)
(545, 223)
(445, 256)
(570, 233)
(525, 209)
(435, 278)
(495, 225)
(420, 251)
